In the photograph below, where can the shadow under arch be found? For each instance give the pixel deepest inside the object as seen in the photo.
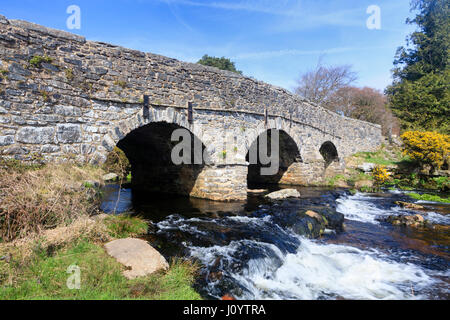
(149, 150)
(329, 153)
(289, 154)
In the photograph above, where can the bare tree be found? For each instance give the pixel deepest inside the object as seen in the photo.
(366, 104)
(321, 84)
(330, 87)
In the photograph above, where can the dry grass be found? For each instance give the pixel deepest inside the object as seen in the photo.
(49, 197)
(91, 229)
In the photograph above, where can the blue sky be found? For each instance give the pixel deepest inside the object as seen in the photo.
(273, 41)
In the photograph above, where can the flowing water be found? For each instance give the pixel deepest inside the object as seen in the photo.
(251, 250)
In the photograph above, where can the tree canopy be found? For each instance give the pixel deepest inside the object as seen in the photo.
(420, 93)
(221, 63)
(321, 84)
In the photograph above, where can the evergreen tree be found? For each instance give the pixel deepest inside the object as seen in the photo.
(420, 93)
(221, 63)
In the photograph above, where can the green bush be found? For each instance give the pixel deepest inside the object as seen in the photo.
(429, 197)
(118, 163)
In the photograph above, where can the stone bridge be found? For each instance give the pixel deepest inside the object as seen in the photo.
(64, 98)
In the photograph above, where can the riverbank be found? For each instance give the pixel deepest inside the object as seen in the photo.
(402, 174)
(58, 205)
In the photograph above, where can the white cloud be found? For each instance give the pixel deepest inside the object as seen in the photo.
(296, 52)
(276, 7)
(299, 14)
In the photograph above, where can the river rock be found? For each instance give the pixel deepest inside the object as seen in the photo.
(404, 220)
(256, 191)
(110, 177)
(138, 256)
(283, 194)
(333, 219)
(309, 227)
(329, 218)
(314, 214)
(408, 205)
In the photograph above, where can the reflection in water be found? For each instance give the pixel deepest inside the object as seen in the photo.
(116, 200)
(250, 250)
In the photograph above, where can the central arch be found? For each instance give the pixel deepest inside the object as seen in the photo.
(289, 158)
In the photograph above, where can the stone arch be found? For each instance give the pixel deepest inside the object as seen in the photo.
(147, 144)
(149, 150)
(289, 159)
(164, 114)
(332, 162)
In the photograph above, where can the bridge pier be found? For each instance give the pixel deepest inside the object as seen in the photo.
(219, 183)
(223, 183)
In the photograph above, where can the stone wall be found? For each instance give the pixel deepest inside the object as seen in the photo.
(58, 102)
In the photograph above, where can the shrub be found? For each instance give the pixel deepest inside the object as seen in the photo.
(427, 148)
(52, 196)
(380, 175)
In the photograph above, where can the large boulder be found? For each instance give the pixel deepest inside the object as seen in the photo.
(308, 226)
(367, 167)
(333, 219)
(110, 177)
(137, 256)
(283, 194)
(327, 218)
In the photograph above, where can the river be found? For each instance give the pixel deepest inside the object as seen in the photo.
(250, 250)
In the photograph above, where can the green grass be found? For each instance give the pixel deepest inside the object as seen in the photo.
(45, 277)
(380, 157)
(125, 226)
(429, 197)
(36, 61)
(360, 176)
(332, 181)
(438, 183)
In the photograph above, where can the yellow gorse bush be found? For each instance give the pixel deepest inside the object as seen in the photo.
(380, 174)
(427, 147)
